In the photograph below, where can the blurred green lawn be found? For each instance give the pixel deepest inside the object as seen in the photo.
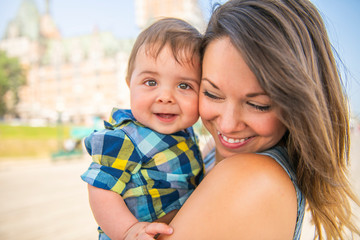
(30, 142)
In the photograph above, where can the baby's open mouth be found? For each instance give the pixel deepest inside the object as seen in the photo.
(165, 115)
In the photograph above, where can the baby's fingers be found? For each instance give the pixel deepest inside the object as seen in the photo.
(161, 228)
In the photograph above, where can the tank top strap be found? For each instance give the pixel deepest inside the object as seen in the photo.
(280, 155)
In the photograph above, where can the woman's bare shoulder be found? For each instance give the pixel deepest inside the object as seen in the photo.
(254, 167)
(247, 196)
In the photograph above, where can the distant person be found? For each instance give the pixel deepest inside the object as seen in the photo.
(272, 98)
(146, 163)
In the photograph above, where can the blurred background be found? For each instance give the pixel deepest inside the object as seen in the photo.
(62, 70)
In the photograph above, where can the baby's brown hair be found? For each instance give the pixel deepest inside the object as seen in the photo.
(183, 39)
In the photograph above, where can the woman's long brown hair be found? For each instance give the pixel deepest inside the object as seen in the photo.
(285, 44)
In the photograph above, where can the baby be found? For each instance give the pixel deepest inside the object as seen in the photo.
(146, 162)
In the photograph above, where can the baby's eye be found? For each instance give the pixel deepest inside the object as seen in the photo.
(151, 83)
(184, 86)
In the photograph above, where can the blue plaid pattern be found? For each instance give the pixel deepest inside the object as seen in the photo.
(153, 172)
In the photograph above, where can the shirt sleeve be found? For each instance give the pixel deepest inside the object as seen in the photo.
(115, 159)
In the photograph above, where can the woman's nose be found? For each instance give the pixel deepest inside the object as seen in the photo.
(231, 120)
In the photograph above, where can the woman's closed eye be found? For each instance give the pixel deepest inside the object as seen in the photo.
(261, 108)
(210, 95)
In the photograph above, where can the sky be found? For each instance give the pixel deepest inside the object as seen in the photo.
(80, 17)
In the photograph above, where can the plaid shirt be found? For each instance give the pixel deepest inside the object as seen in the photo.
(153, 172)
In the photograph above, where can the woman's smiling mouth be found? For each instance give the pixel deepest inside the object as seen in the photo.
(233, 142)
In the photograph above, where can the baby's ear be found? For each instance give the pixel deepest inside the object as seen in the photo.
(128, 82)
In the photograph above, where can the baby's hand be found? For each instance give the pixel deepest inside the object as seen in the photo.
(147, 231)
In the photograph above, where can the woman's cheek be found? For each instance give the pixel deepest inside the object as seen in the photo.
(208, 116)
(269, 127)
(204, 108)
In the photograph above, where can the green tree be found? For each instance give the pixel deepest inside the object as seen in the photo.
(12, 77)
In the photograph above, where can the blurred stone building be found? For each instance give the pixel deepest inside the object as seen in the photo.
(148, 11)
(79, 78)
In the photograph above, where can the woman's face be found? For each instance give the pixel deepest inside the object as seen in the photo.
(233, 107)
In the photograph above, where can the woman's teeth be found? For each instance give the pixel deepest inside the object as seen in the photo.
(232, 140)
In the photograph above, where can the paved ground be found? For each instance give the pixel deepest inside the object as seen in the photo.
(44, 200)
(40, 199)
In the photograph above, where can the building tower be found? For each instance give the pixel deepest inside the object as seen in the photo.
(148, 11)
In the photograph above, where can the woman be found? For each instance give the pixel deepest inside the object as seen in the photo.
(272, 99)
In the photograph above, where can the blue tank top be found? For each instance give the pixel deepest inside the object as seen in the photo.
(280, 155)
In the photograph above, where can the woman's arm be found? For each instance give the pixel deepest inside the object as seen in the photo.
(248, 196)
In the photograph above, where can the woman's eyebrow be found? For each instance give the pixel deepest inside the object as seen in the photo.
(249, 95)
(212, 84)
(255, 94)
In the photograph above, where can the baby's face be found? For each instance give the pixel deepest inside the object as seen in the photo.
(164, 93)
